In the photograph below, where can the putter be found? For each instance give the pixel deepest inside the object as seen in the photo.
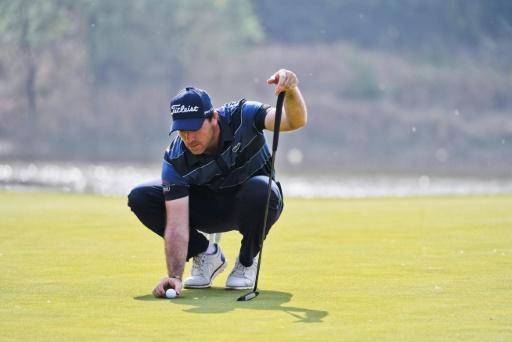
(277, 126)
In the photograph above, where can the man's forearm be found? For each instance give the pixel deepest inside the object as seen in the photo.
(176, 235)
(295, 108)
(176, 247)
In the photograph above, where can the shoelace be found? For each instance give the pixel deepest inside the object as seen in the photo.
(241, 269)
(198, 262)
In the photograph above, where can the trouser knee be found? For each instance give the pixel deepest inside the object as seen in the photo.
(136, 199)
(253, 195)
(148, 204)
(252, 201)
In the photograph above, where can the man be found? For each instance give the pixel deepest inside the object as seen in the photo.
(214, 179)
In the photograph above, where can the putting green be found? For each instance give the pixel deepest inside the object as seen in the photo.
(81, 267)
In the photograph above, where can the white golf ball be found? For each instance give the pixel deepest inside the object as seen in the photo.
(170, 293)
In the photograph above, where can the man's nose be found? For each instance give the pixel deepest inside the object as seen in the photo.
(189, 136)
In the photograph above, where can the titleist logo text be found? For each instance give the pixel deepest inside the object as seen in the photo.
(183, 109)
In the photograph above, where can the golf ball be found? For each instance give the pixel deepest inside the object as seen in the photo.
(170, 293)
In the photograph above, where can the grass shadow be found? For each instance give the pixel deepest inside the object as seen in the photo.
(219, 300)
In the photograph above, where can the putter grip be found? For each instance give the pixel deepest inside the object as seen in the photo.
(277, 121)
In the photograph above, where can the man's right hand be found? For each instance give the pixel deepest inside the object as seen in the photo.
(167, 283)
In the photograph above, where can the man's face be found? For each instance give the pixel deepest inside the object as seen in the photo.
(199, 141)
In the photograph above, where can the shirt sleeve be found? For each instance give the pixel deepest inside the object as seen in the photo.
(256, 111)
(174, 185)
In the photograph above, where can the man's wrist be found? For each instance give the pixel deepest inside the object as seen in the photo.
(175, 277)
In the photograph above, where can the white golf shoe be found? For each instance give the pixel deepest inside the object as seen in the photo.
(242, 277)
(205, 268)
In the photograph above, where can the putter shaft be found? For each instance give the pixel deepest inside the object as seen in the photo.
(277, 127)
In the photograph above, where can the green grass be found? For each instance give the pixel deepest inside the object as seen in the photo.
(76, 267)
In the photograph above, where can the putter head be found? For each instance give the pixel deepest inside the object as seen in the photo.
(248, 296)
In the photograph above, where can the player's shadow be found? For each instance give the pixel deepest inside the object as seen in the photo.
(219, 300)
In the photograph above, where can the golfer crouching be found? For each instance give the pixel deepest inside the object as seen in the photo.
(215, 178)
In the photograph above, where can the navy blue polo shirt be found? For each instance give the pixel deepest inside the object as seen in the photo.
(243, 153)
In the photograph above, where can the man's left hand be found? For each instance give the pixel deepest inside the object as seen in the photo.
(284, 79)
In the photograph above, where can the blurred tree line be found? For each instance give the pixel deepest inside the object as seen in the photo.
(90, 51)
(91, 79)
(394, 23)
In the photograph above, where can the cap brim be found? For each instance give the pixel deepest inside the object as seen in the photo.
(187, 124)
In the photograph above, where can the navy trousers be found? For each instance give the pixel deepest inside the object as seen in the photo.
(241, 209)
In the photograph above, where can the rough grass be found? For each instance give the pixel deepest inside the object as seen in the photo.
(75, 267)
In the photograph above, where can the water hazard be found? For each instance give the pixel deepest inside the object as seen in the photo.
(118, 179)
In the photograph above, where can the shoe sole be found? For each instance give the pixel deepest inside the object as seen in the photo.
(239, 287)
(215, 273)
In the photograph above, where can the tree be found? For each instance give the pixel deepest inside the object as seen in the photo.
(30, 27)
(148, 39)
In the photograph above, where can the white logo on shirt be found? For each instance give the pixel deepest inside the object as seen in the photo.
(236, 147)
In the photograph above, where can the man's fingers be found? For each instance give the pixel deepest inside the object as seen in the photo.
(159, 290)
(176, 285)
(284, 80)
(290, 80)
(156, 292)
(165, 284)
(279, 78)
(273, 79)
